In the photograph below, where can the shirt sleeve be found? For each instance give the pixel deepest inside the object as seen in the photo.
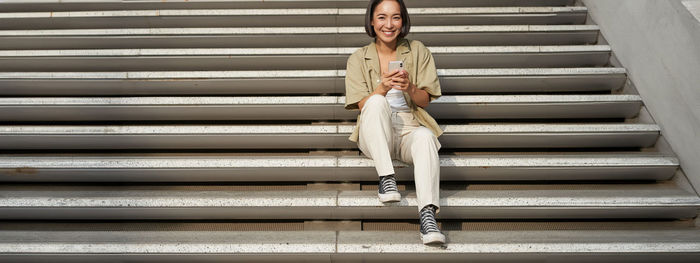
(427, 78)
(356, 87)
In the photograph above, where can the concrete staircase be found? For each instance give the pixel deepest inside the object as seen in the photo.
(215, 131)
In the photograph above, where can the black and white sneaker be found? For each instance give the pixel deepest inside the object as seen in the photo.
(429, 230)
(388, 191)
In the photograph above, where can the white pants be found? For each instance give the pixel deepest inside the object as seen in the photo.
(386, 135)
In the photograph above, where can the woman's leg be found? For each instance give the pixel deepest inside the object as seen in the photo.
(376, 137)
(420, 147)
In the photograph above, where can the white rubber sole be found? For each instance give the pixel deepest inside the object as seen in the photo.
(433, 238)
(389, 197)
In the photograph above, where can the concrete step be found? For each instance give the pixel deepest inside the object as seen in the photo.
(285, 37)
(651, 246)
(90, 5)
(275, 168)
(308, 108)
(321, 136)
(484, 80)
(397, 226)
(529, 201)
(287, 17)
(290, 58)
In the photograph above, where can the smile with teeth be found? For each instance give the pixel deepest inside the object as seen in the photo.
(388, 33)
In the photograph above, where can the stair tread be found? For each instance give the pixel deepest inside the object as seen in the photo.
(536, 196)
(314, 129)
(195, 161)
(435, 50)
(303, 100)
(289, 11)
(147, 4)
(303, 73)
(288, 30)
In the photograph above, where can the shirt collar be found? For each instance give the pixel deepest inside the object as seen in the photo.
(402, 48)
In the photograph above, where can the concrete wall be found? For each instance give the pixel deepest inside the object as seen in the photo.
(658, 41)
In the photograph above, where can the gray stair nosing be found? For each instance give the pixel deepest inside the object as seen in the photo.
(305, 73)
(306, 100)
(287, 12)
(289, 30)
(389, 243)
(149, 162)
(123, 197)
(314, 129)
(562, 49)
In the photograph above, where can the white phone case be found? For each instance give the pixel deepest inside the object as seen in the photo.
(393, 65)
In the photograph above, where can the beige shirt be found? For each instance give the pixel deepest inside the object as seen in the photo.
(363, 75)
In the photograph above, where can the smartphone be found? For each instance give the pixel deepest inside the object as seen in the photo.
(394, 65)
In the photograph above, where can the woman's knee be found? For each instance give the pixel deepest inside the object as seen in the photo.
(425, 136)
(376, 102)
(423, 133)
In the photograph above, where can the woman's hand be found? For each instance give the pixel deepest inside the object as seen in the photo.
(388, 82)
(418, 96)
(402, 82)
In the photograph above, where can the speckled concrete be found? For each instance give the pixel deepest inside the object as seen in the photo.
(301, 73)
(561, 241)
(537, 99)
(542, 196)
(317, 129)
(556, 161)
(581, 196)
(123, 197)
(308, 100)
(344, 242)
(173, 129)
(85, 162)
(301, 100)
(291, 11)
(186, 242)
(296, 51)
(530, 71)
(171, 162)
(574, 128)
(289, 30)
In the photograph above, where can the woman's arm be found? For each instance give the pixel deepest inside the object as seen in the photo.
(383, 88)
(420, 97)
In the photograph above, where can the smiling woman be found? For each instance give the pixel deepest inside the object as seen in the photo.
(392, 122)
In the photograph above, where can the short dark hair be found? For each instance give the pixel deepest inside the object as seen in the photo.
(405, 28)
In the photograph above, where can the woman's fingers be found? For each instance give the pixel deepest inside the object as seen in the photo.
(400, 80)
(393, 73)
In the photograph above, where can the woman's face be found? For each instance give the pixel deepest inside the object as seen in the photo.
(387, 22)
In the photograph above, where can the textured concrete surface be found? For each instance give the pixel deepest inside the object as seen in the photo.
(77, 162)
(287, 30)
(142, 242)
(523, 242)
(286, 12)
(316, 129)
(578, 196)
(571, 241)
(694, 7)
(531, 196)
(296, 51)
(306, 100)
(111, 168)
(303, 73)
(666, 75)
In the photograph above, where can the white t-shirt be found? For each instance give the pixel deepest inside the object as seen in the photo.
(397, 101)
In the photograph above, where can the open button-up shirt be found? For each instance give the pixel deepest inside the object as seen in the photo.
(363, 75)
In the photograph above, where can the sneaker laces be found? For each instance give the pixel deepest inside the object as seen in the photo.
(387, 184)
(427, 220)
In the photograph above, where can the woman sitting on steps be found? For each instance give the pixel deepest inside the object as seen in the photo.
(392, 122)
